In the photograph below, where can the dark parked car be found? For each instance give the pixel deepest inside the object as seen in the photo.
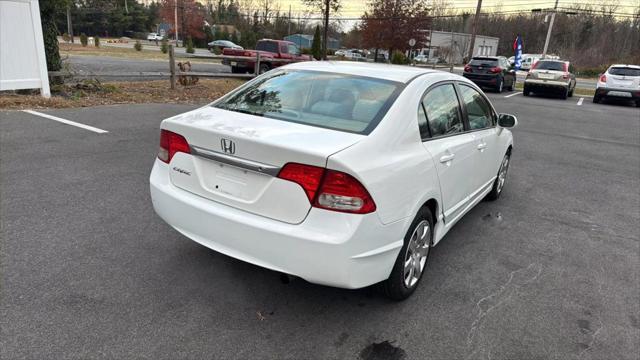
(491, 71)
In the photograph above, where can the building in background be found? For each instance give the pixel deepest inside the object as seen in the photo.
(447, 47)
(304, 41)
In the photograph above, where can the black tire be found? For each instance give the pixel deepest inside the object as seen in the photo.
(499, 85)
(637, 103)
(565, 94)
(596, 99)
(571, 92)
(237, 70)
(264, 68)
(497, 188)
(395, 286)
(526, 91)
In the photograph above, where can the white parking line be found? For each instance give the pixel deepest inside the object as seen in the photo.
(65, 121)
(514, 94)
(580, 101)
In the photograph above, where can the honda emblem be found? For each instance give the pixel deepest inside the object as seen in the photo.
(228, 146)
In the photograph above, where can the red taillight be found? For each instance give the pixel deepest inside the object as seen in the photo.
(307, 176)
(467, 68)
(566, 76)
(603, 78)
(342, 192)
(247, 53)
(171, 143)
(495, 70)
(330, 189)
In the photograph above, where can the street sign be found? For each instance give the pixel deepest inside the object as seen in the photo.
(412, 42)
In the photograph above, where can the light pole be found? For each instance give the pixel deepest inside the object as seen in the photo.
(546, 42)
(474, 30)
(175, 19)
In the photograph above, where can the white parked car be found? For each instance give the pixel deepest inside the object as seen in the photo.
(154, 37)
(619, 82)
(342, 173)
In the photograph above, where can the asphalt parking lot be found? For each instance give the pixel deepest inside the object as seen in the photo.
(549, 271)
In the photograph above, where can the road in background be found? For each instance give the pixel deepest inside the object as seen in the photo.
(85, 64)
(549, 271)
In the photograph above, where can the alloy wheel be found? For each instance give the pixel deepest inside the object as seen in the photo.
(502, 175)
(415, 258)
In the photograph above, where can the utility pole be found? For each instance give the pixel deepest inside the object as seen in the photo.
(546, 42)
(175, 20)
(69, 26)
(475, 29)
(289, 27)
(326, 29)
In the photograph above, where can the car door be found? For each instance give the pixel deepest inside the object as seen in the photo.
(481, 120)
(451, 147)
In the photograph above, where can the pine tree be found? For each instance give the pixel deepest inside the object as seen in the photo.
(316, 49)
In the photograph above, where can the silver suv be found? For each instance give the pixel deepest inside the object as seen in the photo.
(550, 76)
(620, 82)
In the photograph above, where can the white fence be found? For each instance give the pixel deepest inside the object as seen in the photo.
(22, 59)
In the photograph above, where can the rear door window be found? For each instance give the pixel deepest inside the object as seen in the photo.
(443, 111)
(624, 71)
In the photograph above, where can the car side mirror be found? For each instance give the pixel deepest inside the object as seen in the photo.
(507, 121)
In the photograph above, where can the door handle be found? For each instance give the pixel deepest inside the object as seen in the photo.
(447, 158)
(482, 146)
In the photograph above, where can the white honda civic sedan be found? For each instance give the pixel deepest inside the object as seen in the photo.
(341, 173)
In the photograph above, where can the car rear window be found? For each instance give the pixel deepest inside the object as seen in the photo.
(550, 65)
(484, 62)
(270, 46)
(336, 101)
(624, 71)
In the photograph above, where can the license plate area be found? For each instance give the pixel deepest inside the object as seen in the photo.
(546, 76)
(230, 181)
(619, 94)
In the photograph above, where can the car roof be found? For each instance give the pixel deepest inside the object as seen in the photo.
(398, 73)
(624, 65)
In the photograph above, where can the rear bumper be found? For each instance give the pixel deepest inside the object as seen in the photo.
(540, 84)
(239, 64)
(328, 248)
(618, 93)
(482, 79)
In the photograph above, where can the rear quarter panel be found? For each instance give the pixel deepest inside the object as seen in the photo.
(391, 162)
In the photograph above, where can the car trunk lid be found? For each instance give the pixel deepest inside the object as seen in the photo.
(235, 159)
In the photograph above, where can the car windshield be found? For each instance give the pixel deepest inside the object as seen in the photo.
(484, 62)
(624, 71)
(550, 65)
(336, 101)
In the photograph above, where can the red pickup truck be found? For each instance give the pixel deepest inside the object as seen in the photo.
(269, 50)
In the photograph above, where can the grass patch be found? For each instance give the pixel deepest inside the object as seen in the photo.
(67, 49)
(93, 93)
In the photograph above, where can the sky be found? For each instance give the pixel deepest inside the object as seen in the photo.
(355, 8)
